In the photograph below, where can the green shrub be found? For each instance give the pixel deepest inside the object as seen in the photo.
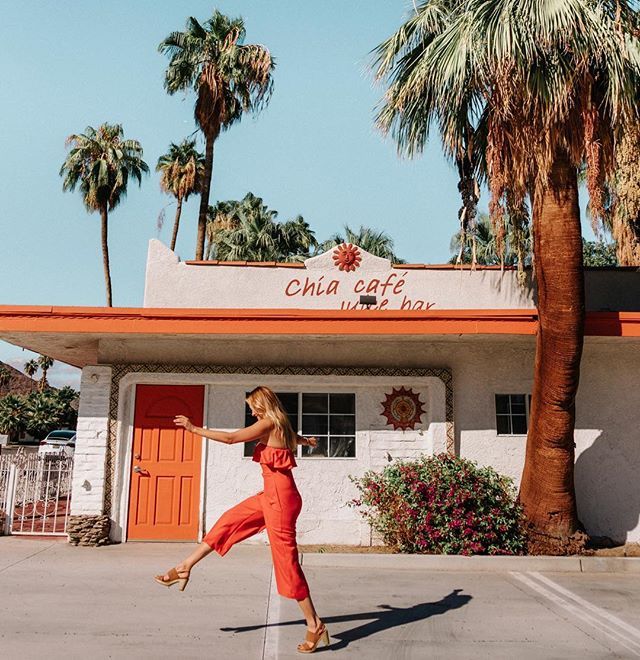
(442, 504)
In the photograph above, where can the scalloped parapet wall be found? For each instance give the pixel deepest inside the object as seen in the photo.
(335, 281)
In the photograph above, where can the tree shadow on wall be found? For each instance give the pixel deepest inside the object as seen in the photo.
(607, 490)
(378, 620)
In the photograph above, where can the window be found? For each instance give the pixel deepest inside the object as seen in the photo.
(512, 413)
(331, 418)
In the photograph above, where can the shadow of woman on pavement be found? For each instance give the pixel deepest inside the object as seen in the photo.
(378, 620)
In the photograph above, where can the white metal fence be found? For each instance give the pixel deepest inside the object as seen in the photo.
(35, 493)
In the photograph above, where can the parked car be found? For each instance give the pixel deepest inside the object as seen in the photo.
(61, 441)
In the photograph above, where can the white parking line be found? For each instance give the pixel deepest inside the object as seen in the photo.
(629, 639)
(271, 636)
(632, 630)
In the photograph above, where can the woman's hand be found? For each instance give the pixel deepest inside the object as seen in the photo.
(185, 422)
(312, 441)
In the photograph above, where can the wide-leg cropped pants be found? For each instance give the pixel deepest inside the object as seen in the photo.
(277, 508)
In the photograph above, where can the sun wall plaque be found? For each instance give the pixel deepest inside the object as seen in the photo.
(402, 408)
(347, 257)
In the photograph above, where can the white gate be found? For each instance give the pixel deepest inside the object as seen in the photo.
(35, 494)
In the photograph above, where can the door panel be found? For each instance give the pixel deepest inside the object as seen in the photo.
(164, 499)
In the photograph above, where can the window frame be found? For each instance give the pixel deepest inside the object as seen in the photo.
(510, 415)
(298, 429)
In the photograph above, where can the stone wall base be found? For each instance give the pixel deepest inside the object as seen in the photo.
(88, 530)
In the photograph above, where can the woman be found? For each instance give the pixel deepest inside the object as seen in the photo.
(276, 507)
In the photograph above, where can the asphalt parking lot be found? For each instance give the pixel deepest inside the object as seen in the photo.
(60, 601)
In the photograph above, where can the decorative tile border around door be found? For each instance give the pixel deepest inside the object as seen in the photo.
(121, 370)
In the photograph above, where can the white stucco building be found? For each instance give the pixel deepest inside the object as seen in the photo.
(441, 361)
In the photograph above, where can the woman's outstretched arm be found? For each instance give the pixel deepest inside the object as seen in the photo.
(309, 442)
(254, 432)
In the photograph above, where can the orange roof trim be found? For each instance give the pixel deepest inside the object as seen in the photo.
(129, 320)
(152, 321)
(298, 264)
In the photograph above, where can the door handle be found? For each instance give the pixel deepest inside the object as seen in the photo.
(138, 469)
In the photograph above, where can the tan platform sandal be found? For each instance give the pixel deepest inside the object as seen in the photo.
(312, 640)
(174, 577)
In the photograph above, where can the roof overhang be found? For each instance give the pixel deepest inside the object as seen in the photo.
(72, 334)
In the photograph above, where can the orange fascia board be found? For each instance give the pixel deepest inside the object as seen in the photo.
(299, 264)
(183, 321)
(447, 266)
(104, 320)
(612, 324)
(257, 264)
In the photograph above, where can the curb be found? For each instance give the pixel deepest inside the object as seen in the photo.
(478, 563)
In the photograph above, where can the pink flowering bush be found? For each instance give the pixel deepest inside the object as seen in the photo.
(442, 505)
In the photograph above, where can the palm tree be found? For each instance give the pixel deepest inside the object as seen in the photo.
(100, 162)
(221, 217)
(228, 77)
(378, 243)
(480, 247)
(523, 94)
(248, 230)
(12, 416)
(623, 217)
(31, 368)
(297, 239)
(182, 170)
(45, 363)
(479, 244)
(43, 413)
(5, 377)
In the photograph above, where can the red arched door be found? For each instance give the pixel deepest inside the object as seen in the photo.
(164, 498)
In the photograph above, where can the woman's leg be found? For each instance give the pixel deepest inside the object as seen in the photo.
(314, 622)
(283, 507)
(199, 553)
(238, 523)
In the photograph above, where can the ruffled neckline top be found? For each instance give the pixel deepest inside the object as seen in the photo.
(280, 458)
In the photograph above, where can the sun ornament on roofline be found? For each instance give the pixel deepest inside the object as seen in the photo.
(347, 257)
(402, 408)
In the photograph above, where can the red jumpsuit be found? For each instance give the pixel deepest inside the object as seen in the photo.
(276, 508)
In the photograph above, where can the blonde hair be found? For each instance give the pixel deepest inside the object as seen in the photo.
(265, 402)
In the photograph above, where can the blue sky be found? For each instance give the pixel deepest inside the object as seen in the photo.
(314, 151)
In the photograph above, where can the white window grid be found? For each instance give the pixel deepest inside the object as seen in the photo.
(299, 453)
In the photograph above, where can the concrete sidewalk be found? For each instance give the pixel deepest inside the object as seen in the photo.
(59, 601)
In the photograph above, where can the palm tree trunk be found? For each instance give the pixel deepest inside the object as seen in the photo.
(547, 490)
(176, 224)
(105, 252)
(204, 197)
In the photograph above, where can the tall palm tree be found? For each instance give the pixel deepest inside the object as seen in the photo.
(378, 243)
(31, 368)
(252, 233)
(228, 77)
(100, 163)
(45, 363)
(525, 93)
(623, 217)
(182, 170)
